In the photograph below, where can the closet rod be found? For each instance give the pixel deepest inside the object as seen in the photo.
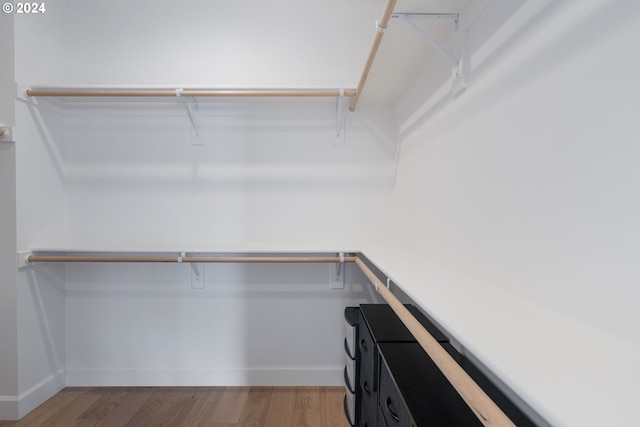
(191, 92)
(485, 409)
(3, 131)
(381, 27)
(189, 259)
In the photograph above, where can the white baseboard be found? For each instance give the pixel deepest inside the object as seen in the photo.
(16, 407)
(107, 377)
(8, 408)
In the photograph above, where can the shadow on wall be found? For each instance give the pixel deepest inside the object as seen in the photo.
(252, 324)
(598, 22)
(41, 320)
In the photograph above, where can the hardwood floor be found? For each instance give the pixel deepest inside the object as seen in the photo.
(190, 407)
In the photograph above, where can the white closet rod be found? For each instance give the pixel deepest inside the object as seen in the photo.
(480, 403)
(353, 93)
(381, 26)
(191, 92)
(189, 259)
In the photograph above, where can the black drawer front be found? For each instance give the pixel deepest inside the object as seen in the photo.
(427, 395)
(368, 391)
(381, 421)
(368, 418)
(368, 355)
(347, 414)
(391, 404)
(366, 344)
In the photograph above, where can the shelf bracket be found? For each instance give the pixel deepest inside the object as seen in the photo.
(195, 117)
(340, 139)
(195, 269)
(193, 265)
(409, 19)
(459, 81)
(340, 113)
(337, 273)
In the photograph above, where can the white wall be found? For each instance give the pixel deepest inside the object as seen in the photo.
(8, 298)
(7, 87)
(32, 307)
(529, 180)
(40, 220)
(8, 309)
(252, 325)
(198, 43)
(270, 174)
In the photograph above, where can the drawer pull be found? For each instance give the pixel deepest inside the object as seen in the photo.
(363, 344)
(393, 414)
(365, 386)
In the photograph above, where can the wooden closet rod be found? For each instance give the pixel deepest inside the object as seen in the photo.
(189, 259)
(485, 409)
(381, 27)
(2, 131)
(192, 92)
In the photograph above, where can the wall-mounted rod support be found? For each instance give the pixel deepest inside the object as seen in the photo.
(485, 409)
(407, 17)
(340, 266)
(190, 107)
(339, 113)
(381, 26)
(86, 92)
(194, 267)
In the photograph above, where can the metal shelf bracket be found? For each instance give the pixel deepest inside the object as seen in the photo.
(340, 113)
(409, 18)
(459, 83)
(340, 118)
(195, 117)
(337, 273)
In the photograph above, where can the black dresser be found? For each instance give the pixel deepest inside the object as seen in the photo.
(390, 381)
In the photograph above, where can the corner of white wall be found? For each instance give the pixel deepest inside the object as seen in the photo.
(15, 407)
(40, 393)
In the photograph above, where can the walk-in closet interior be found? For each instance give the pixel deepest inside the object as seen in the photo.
(193, 192)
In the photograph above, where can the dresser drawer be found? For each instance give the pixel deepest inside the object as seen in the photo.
(381, 421)
(391, 404)
(368, 391)
(350, 408)
(413, 390)
(368, 418)
(351, 373)
(368, 354)
(351, 315)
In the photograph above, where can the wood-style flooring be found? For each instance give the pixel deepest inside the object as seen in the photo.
(190, 407)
